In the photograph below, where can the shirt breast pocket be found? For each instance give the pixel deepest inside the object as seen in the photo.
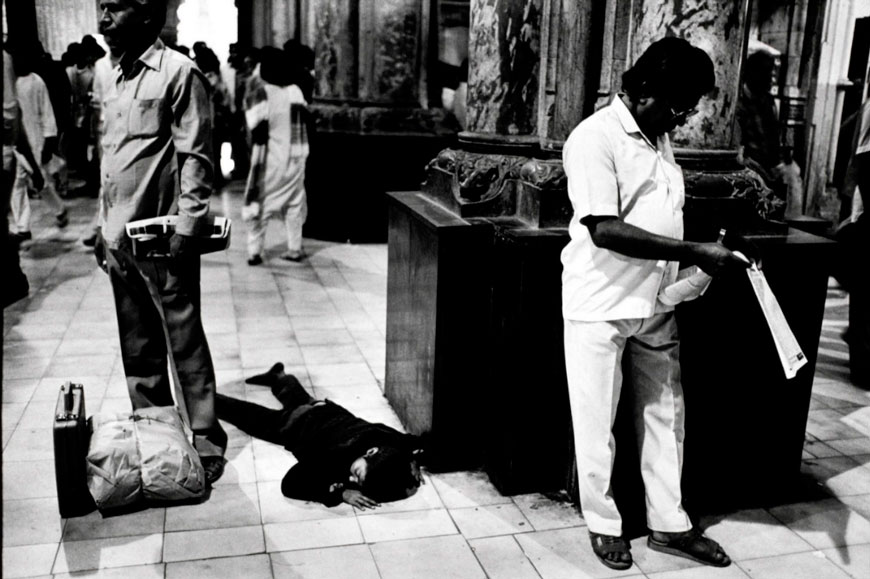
(146, 118)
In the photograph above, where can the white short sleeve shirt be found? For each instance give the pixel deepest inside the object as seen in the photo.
(614, 170)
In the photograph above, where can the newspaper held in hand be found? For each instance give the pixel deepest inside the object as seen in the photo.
(691, 283)
(790, 354)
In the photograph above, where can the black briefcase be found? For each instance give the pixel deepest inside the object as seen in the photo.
(71, 439)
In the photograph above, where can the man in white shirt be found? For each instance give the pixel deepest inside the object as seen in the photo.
(626, 243)
(38, 121)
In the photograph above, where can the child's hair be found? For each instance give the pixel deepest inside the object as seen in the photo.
(389, 475)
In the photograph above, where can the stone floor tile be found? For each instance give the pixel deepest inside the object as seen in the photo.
(854, 560)
(239, 467)
(730, 572)
(340, 374)
(95, 526)
(12, 413)
(245, 567)
(425, 498)
(7, 435)
(825, 524)
(276, 508)
(38, 414)
(30, 444)
(30, 522)
(352, 562)
(156, 571)
(502, 558)
(859, 504)
(332, 354)
(18, 391)
(851, 447)
(312, 534)
(28, 480)
(467, 489)
(858, 418)
(227, 506)
(830, 425)
(269, 353)
(74, 346)
(548, 513)
(95, 364)
(819, 449)
(566, 554)
(28, 560)
(490, 520)
(430, 558)
(271, 462)
(405, 525)
(209, 543)
(842, 475)
(76, 556)
(45, 348)
(812, 565)
(752, 534)
(353, 398)
(318, 337)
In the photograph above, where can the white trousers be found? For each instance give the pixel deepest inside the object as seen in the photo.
(19, 202)
(594, 353)
(293, 217)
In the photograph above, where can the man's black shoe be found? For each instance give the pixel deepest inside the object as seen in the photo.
(213, 467)
(267, 378)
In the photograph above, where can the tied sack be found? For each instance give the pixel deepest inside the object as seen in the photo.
(143, 455)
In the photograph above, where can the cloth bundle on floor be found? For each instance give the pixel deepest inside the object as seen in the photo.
(143, 455)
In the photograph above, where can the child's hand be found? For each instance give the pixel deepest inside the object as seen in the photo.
(356, 499)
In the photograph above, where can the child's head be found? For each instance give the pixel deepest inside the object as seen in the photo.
(386, 473)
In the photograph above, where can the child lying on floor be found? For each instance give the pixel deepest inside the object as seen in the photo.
(341, 457)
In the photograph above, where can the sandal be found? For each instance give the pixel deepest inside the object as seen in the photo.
(604, 545)
(692, 545)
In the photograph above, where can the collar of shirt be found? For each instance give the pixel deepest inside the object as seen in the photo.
(152, 58)
(630, 124)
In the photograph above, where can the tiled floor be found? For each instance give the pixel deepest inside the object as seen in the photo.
(325, 319)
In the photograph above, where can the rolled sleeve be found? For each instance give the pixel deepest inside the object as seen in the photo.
(589, 166)
(192, 137)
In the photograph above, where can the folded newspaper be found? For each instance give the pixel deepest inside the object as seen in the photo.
(790, 354)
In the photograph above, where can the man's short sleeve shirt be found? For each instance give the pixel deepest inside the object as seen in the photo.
(614, 170)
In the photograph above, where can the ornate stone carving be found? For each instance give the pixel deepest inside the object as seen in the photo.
(544, 174)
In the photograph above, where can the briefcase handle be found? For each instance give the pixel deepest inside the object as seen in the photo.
(68, 402)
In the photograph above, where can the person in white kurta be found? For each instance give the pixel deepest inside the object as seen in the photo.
(37, 118)
(281, 111)
(626, 242)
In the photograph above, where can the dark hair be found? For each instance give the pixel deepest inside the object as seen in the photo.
(758, 71)
(273, 66)
(672, 68)
(389, 475)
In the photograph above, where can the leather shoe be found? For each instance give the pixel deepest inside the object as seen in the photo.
(214, 468)
(267, 378)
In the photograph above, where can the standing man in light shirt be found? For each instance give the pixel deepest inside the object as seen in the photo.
(626, 243)
(157, 160)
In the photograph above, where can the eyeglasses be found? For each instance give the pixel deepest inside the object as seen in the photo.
(683, 115)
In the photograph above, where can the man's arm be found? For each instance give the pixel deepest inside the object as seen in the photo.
(615, 235)
(192, 137)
